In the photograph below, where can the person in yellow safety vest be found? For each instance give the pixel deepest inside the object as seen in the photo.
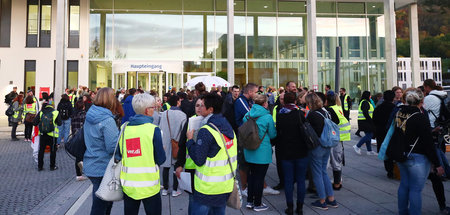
(183, 158)
(72, 97)
(365, 123)
(215, 156)
(17, 106)
(29, 109)
(337, 152)
(142, 152)
(49, 138)
(346, 102)
(166, 105)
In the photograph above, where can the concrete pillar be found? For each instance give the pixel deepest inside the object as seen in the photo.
(414, 44)
(312, 44)
(60, 84)
(230, 41)
(391, 52)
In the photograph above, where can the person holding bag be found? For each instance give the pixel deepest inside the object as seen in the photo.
(260, 158)
(29, 110)
(142, 152)
(100, 135)
(212, 153)
(418, 153)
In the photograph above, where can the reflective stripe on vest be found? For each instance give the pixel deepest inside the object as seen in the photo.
(360, 113)
(72, 99)
(346, 103)
(344, 125)
(215, 176)
(274, 114)
(189, 164)
(139, 174)
(55, 132)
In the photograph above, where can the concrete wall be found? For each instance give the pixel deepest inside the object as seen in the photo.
(12, 59)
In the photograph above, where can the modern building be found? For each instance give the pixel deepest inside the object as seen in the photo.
(160, 44)
(430, 68)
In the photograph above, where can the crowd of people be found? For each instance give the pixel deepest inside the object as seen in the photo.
(196, 132)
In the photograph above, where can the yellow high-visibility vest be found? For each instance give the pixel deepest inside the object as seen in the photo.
(360, 113)
(55, 132)
(215, 176)
(140, 174)
(274, 114)
(346, 103)
(189, 164)
(344, 124)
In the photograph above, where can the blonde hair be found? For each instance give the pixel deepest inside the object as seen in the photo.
(313, 101)
(260, 99)
(338, 100)
(106, 98)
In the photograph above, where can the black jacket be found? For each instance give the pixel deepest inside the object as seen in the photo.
(290, 139)
(366, 125)
(381, 116)
(228, 111)
(188, 107)
(67, 106)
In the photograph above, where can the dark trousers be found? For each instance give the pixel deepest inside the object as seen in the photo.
(28, 129)
(438, 189)
(13, 130)
(388, 164)
(45, 140)
(256, 174)
(166, 179)
(77, 169)
(295, 172)
(99, 206)
(279, 166)
(152, 205)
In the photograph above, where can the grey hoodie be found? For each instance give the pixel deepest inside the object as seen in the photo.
(432, 104)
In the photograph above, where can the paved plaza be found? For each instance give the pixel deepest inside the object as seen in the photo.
(366, 189)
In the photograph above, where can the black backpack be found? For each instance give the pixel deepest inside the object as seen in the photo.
(444, 113)
(64, 113)
(396, 149)
(9, 111)
(46, 122)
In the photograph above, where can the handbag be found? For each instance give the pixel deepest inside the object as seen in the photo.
(311, 138)
(110, 188)
(174, 143)
(76, 146)
(29, 117)
(235, 198)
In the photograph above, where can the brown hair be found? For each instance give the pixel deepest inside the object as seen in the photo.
(119, 109)
(260, 99)
(79, 105)
(105, 98)
(313, 101)
(29, 100)
(19, 98)
(397, 88)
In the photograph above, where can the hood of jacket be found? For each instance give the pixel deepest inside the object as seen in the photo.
(97, 114)
(222, 124)
(140, 119)
(258, 111)
(440, 94)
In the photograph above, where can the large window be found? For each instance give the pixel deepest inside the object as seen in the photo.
(39, 22)
(30, 75)
(74, 24)
(100, 74)
(5, 23)
(72, 74)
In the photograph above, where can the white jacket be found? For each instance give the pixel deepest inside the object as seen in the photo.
(432, 105)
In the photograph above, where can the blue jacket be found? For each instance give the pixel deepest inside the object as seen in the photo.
(242, 105)
(100, 136)
(158, 151)
(263, 154)
(206, 146)
(128, 109)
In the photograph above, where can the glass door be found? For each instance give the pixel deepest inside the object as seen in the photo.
(174, 80)
(131, 80)
(143, 81)
(157, 82)
(119, 80)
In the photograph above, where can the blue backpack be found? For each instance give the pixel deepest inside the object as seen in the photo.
(330, 135)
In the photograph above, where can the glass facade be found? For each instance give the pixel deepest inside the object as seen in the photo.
(270, 39)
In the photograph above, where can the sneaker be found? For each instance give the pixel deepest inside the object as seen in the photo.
(244, 192)
(164, 192)
(357, 149)
(176, 193)
(53, 168)
(270, 191)
(371, 153)
(80, 178)
(318, 205)
(249, 205)
(80, 165)
(262, 207)
(332, 204)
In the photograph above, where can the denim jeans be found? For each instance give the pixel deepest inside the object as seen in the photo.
(256, 174)
(367, 139)
(413, 174)
(200, 209)
(319, 160)
(443, 161)
(99, 206)
(64, 130)
(295, 172)
(191, 202)
(152, 205)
